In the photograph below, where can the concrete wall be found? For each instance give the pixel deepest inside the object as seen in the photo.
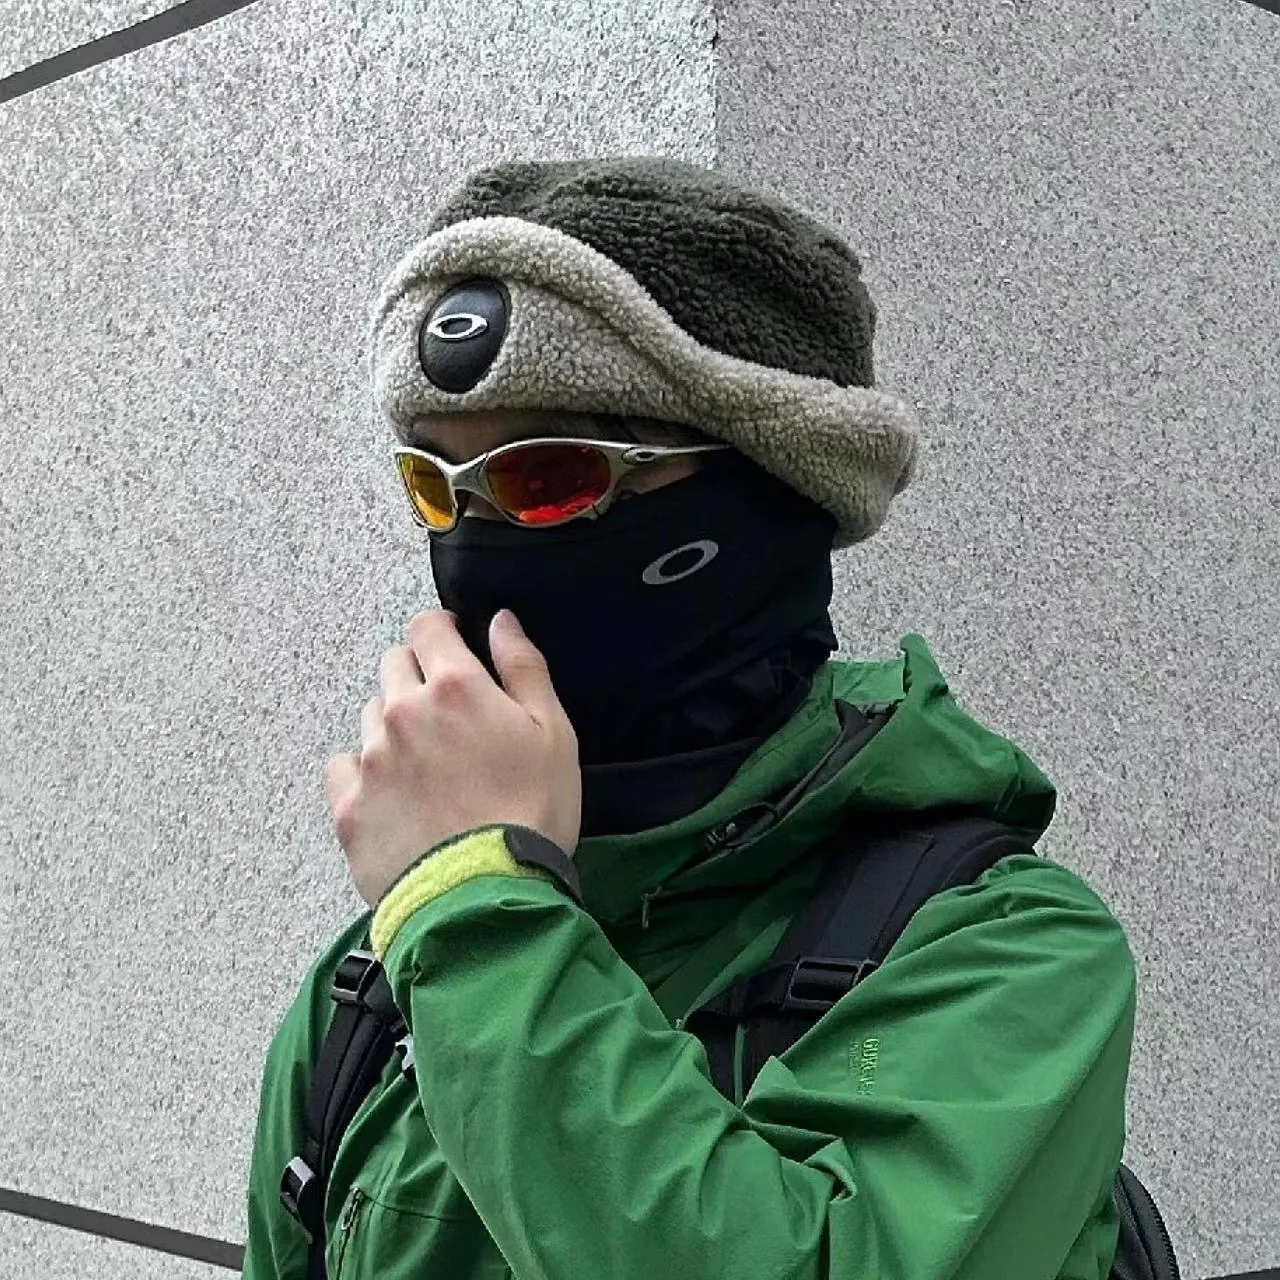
(1069, 223)
(1070, 214)
(204, 547)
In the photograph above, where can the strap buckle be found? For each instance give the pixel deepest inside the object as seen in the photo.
(404, 1047)
(361, 981)
(354, 977)
(300, 1193)
(817, 984)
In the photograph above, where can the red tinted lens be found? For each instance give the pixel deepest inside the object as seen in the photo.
(548, 483)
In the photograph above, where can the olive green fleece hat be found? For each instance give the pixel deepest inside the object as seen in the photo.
(649, 288)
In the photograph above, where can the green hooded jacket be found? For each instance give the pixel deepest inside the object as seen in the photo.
(958, 1116)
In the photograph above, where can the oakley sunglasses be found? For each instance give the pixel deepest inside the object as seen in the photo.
(533, 483)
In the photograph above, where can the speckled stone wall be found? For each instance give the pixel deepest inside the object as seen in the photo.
(203, 552)
(1069, 219)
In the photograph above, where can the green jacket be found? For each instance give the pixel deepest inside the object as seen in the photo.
(958, 1116)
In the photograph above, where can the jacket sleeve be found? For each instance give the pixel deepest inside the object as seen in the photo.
(960, 1114)
(276, 1247)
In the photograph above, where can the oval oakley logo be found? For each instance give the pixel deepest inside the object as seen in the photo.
(472, 326)
(656, 574)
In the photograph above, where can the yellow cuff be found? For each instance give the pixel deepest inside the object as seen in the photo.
(475, 853)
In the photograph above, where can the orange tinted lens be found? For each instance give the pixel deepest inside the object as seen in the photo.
(547, 483)
(428, 490)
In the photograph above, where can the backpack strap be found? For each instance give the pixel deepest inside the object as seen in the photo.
(1144, 1250)
(868, 891)
(881, 872)
(871, 894)
(366, 1028)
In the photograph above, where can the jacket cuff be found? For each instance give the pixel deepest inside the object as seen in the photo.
(484, 851)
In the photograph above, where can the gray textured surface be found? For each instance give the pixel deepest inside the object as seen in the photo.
(1070, 216)
(29, 1249)
(1070, 223)
(202, 547)
(36, 29)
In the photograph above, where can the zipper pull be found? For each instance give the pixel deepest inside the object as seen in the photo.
(352, 1208)
(719, 836)
(645, 899)
(747, 825)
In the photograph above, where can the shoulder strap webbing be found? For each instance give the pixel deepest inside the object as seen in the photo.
(872, 890)
(881, 872)
(364, 1031)
(862, 902)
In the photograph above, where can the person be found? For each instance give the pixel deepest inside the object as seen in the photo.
(636, 416)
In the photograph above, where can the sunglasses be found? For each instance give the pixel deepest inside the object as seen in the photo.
(533, 483)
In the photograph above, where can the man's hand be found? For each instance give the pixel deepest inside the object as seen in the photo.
(444, 749)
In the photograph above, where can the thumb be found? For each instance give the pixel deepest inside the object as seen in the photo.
(522, 668)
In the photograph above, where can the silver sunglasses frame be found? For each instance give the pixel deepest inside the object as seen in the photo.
(469, 477)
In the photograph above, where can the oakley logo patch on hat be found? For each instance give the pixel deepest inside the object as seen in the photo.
(658, 575)
(461, 337)
(472, 326)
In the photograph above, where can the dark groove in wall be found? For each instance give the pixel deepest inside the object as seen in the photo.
(182, 1244)
(163, 26)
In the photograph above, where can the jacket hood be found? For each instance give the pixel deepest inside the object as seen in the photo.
(873, 738)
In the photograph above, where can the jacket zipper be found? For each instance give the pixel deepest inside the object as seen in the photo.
(645, 899)
(739, 1050)
(748, 825)
(346, 1223)
(661, 892)
(756, 820)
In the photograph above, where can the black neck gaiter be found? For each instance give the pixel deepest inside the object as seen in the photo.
(683, 620)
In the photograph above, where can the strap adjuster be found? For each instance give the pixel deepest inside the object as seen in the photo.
(816, 984)
(354, 977)
(404, 1047)
(300, 1193)
(360, 980)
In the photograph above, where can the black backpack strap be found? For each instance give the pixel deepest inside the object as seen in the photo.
(871, 891)
(1144, 1250)
(366, 1028)
(881, 872)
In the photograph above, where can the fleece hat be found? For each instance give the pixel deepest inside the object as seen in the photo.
(650, 288)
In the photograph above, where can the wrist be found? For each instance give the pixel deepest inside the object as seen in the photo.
(503, 849)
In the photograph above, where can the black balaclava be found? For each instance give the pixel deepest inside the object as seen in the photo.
(687, 621)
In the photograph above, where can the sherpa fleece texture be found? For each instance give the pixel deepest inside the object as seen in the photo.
(585, 336)
(743, 272)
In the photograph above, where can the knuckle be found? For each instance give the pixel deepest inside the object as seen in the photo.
(419, 625)
(528, 660)
(344, 818)
(384, 663)
(397, 716)
(449, 686)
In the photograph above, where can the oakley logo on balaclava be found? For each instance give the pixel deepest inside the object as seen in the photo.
(462, 335)
(661, 572)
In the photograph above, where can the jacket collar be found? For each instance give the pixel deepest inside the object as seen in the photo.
(871, 737)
